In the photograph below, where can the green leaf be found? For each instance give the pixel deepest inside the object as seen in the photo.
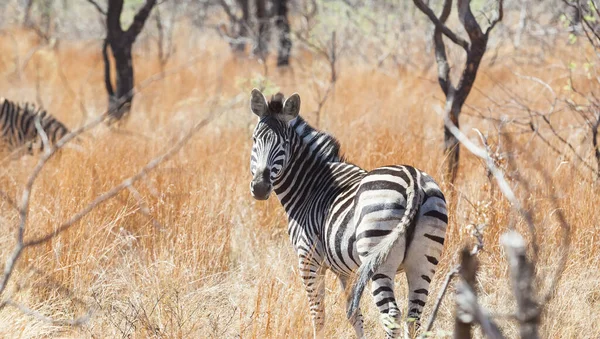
(589, 18)
(572, 65)
(572, 38)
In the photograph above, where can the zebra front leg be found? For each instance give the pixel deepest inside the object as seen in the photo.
(357, 319)
(313, 275)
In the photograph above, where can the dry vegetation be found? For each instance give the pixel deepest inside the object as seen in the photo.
(216, 263)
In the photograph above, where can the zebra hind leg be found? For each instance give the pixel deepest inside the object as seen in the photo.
(357, 319)
(419, 278)
(382, 287)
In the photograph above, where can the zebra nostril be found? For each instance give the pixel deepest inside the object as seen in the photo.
(260, 189)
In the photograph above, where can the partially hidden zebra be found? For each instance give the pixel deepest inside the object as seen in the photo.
(18, 126)
(364, 224)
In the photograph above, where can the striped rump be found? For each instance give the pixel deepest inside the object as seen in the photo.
(18, 126)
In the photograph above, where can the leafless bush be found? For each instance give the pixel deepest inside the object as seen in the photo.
(23, 207)
(530, 305)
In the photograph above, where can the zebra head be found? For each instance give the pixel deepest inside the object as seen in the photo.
(271, 140)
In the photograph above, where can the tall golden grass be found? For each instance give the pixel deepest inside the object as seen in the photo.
(219, 264)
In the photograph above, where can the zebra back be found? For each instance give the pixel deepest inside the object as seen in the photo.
(18, 126)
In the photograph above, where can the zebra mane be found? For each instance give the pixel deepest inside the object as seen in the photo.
(326, 146)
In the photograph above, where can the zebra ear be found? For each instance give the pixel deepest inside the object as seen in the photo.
(258, 103)
(291, 107)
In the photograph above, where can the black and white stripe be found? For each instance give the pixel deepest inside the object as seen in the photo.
(341, 217)
(18, 126)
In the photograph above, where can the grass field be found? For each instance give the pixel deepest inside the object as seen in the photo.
(209, 261)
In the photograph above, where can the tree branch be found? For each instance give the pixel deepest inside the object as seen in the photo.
(522, 275)
(440, 52)
(440, 25)
(26, 310)
(107, 82)
(497, 18)
(97, 6)
(139, 20)
(468, 20)
(113, 18)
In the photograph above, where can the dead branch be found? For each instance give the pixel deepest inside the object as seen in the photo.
(24, 208)
(440, 297)
(440, 24)
(468, 310)
(475, 49)
(522, 275)
(97, 6)
(455, 271)
(504, 186)
(35, 314)
(522, 270)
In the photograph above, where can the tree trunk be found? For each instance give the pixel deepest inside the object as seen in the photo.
(456, 96)
(283, 26)
(242, 33)
(26, 17)
(596, 146)
(262, 37)
(451, 144)
(121, 42)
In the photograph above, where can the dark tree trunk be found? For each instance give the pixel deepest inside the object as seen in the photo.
(121, 42)
(262, 37)
(26, 17)
(283, 26)
(242, 33)
(456, 96)
(596, 146)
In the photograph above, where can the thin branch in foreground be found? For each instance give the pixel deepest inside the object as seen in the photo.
(440, 297)
(468, 310)
(521, 272)
(123, 185)
(498, 175)
(33, 313)
(23, 209)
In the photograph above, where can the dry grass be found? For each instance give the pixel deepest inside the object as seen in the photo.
(220, 264)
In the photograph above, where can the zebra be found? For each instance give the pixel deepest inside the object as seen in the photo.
(357, 223)
(17, 123)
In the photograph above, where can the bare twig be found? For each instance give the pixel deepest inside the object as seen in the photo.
(439, 24)
(521, 272)
(97, 6)
(33, 313)
(504, 186)
(440, 297)
(23, 208)
(468, 309)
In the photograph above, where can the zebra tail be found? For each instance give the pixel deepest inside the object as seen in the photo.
(379, 253)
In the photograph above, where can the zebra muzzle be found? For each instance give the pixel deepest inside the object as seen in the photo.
(260, 190)
(260, 187)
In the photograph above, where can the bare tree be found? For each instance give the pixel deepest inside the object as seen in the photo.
(261, 48)
(474, 48)
(238, 26)
(120, 42)
(283, 26)
(24, 206)
(164, 40)
(522, 270)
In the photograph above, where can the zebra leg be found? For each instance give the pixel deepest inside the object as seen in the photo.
(421, 262)
(313, 275)
(357, 319)
(382, 287)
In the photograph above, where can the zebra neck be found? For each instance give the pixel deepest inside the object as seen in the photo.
(306, 185)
